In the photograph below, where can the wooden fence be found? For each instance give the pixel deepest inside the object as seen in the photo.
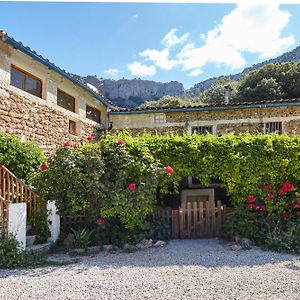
(73, 221)
(12, 190)
(194, 220)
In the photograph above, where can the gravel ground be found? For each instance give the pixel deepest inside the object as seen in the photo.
(187, 269)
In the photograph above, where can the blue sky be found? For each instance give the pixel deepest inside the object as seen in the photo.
(163, 42)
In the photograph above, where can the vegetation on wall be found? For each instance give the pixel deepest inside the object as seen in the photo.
(22, 158)
(110, 178)
(117, 177)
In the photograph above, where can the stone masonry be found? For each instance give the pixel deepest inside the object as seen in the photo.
(32, 121)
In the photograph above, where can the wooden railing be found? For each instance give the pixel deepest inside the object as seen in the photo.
(13, 190)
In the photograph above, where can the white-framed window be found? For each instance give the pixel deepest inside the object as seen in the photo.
(273, 127)
(202, 129)
(159, 119)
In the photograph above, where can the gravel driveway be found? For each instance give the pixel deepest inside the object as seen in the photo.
(186, 269)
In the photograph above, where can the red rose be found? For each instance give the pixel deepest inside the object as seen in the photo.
(258, 207)
(169, 170)
(132, 186)
(297, 201)
(90, 138)
(266, 187)
(287, 187)
(281, 192)
(43, 167)
(251, 199)
(263, 208)
(120, 142)
(250, 206)
(270, 196)
(297, 206)
(285, 216)
(67, 143)
(100, 221)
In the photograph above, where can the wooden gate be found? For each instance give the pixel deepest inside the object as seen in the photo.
(194, 219)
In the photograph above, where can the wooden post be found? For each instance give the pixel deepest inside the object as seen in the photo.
(213, 218)
(219, 217)
(195, 213)
(181, 222)
(201, 221)
(189, 219)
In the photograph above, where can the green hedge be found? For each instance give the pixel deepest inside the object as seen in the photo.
(241, 162)
(22, 158)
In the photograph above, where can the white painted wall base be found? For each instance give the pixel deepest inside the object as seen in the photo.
(17, 222)
(54, 221)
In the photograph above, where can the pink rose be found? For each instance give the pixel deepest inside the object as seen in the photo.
(169, 170)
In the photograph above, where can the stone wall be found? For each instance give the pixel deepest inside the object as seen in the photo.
(222, 121)
(34, 121)
(233, 114)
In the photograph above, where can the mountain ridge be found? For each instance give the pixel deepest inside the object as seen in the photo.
(130, 93)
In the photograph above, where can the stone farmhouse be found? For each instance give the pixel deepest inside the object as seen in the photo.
(41, 102)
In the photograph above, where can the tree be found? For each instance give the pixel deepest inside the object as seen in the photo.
(271, 82)
(166, 101)
(216, 93)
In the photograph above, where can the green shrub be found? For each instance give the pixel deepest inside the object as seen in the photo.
(107, 179)
(270, 217)
(82, 237)
(159, 230)
(12, 257)
(21, 158)
(113, 232)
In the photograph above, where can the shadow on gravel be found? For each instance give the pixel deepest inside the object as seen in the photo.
(208, 253)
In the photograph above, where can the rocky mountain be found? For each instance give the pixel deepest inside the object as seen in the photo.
(200, 87)
(132, 92)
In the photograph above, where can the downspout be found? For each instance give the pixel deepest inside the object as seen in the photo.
(107, 120)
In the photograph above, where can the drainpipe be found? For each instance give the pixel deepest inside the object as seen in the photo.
(107, 120)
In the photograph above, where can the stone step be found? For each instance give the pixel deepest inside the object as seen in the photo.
(30, 239)
(41, 248)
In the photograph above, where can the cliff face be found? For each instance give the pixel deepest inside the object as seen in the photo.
(133, 92)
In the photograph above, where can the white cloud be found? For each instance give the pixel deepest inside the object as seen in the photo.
(254, 28)
(112, 72)
(171, 39)
(195, 72)
(159, 58)
(135, 16)
(138, 69)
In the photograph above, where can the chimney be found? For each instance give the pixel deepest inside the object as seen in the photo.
(227, 91)
(2, 34)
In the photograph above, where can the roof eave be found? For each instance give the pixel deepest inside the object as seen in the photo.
(191, 109)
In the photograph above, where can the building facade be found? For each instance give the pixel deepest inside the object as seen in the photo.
(261, 117)
(41, 102)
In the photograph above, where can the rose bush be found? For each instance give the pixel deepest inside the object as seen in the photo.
(272, 217)
(107, 179)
